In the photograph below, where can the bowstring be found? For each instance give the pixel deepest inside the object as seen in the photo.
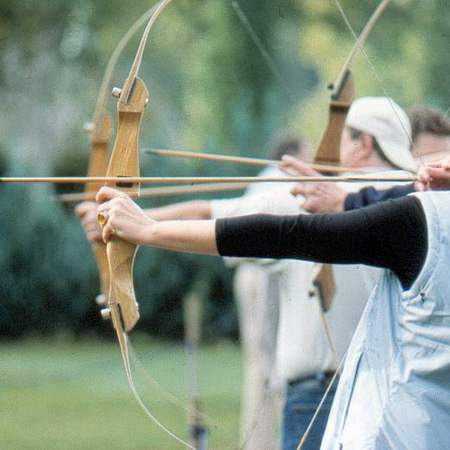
(251, 429)
(322, 401)
(327, 329)
(277, 74)
(169, 396)
(124, 350)
(106, 81)
(243, 18)
(262, 406)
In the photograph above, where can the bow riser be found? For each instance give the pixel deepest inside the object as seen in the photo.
(125, 155)
(328, 151)
(123, 308)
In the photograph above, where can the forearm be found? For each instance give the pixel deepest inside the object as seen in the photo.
(188, 236)
(391, 235)
(198, 209)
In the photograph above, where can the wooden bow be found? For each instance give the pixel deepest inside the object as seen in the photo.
(100, 131)
(124, 162)
(328, 150)
(122, 307)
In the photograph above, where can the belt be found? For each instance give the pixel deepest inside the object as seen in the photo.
(319, 376)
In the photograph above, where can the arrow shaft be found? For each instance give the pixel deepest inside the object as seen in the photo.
(121, 181)
(239, 159)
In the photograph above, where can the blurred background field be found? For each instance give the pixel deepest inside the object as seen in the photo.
(211, 90)
(73, 395)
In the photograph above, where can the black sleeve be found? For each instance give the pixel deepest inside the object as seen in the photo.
(392, 235)
(369, 196)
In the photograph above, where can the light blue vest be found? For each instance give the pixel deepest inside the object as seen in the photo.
(394, 392)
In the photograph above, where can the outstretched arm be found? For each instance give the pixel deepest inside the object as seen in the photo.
(126, 220)
(194, 210)
(191, 210)
(391, 235)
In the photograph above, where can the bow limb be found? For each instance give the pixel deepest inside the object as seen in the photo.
(193, 323)
(328, 150)
(100, 135)
(381, 6)
(342, 95)
(104, 91)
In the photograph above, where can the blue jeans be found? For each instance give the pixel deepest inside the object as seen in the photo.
(301, 403)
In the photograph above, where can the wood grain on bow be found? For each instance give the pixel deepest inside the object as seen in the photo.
(124, 162)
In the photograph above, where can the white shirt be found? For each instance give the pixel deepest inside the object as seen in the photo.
(302, 345)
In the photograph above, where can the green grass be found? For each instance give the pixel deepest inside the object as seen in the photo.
(70, 396)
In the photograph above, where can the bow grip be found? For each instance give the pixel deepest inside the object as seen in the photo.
(125, 155)
(121, 294)
(329, 149)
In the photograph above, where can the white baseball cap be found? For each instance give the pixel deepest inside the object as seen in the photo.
(382, 118)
